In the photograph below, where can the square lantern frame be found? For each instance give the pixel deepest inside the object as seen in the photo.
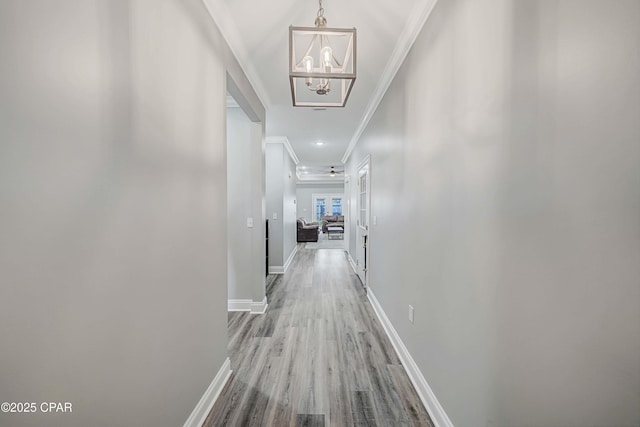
(346, 79)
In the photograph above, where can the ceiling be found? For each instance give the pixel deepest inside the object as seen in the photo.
(257, 32)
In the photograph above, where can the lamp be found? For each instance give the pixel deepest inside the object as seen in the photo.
(328, 82)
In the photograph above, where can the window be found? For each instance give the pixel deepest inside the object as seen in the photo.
(364, 218)
(320, 208)
(336, 206)
(326, 204)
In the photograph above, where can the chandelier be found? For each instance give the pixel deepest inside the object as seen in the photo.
(322, 64)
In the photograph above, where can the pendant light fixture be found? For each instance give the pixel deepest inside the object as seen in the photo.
(322, 64)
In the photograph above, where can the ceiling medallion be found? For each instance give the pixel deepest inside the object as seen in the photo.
(327, 82)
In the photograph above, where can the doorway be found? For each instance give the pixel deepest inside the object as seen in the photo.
(363, 189)
(246, 226)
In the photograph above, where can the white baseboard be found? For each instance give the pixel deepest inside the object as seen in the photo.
(255, 307)
(259, 307)
(353, 263)
(293, 254)
(436, 412)
(276, 269)
(281, 269)
(202, 409)
(239, 305)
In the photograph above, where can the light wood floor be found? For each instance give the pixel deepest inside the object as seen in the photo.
(318, 357)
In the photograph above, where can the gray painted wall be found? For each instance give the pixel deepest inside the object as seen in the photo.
(289, 240)
(280, 196)
(274, 161)
(304, 196)
(246, 275)
(113, 196)
(505, 161)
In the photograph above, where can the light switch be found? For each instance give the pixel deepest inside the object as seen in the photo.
(250, 222)
(375, 220)
(275, 215)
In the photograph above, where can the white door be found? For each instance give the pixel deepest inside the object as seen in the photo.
(347, 211)
(362, 225)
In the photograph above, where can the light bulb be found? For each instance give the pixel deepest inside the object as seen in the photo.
(307, 61)
(326, 55)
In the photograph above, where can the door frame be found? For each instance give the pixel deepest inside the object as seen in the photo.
(256, 209)
(346, 210)
(364, 165)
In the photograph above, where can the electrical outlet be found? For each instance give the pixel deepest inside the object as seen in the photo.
(250, 222)
(411, 313)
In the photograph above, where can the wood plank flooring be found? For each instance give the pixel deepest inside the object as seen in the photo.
(318, 357)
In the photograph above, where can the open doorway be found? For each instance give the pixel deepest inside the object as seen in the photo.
(246, 226)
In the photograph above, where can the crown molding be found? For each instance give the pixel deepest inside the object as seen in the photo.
(315, 182)
(222, 18)
(421, 12)
(284, 141)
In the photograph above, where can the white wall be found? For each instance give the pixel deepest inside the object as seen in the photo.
(113, 208)
(280, 196)
(505, 161)
(245, 176)
(304, 196)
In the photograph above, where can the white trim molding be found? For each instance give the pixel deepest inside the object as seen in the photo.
(202, 409)
(436, 411)
(287, 263)
(259, 307)
(281, 269)
(255, 307)
(284, 141)
(352, 262)
(239, 305)
(315, 182)
(276, 269)
(421, 12)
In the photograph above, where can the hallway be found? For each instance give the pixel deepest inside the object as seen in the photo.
(318, 357)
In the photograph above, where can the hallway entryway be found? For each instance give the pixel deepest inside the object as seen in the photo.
(318, 357)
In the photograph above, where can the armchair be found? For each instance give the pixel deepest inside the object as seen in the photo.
(307, 231)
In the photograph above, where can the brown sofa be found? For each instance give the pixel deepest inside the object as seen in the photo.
(332, 221)
(307, 231)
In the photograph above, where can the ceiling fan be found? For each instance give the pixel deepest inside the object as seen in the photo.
(333, 172)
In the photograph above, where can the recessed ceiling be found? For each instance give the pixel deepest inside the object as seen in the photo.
(257, 32)
(320, 173)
